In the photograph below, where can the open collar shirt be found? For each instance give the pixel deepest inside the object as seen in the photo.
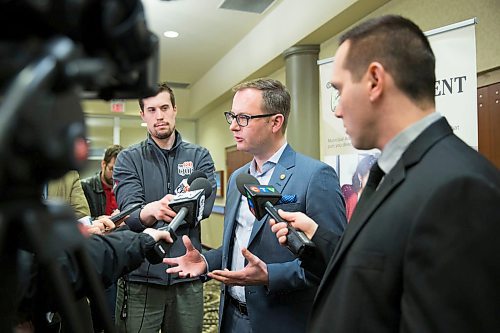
(245, 220)
(397, 146)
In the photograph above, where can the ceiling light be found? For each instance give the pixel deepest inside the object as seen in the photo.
(171, 34)
(144, 125)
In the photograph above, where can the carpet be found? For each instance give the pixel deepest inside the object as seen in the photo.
(211, 294)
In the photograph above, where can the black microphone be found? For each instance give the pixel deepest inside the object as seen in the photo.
(189, 208)
(261, 200)
(195, 175)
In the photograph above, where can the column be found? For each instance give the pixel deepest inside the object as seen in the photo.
(302, 79)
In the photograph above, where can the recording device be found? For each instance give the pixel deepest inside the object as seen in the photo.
(190, 204)
(189, 208)
(123, 214)
(69, 47)
(76, 47)
(261, 201)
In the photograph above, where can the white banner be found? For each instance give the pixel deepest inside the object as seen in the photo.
(456, 79)
(456, 98)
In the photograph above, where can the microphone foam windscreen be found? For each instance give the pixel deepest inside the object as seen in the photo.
(201, 184)
(245, 179)
(195, 175)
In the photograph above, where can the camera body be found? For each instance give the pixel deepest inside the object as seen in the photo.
(69, 49)
(101, 49)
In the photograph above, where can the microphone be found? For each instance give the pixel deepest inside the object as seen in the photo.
(261, 201)
(189, 208)
(195, 175)
(190, 205)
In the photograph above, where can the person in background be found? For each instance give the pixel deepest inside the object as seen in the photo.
(68, 188)
(421, 252)
(265, 289)
(98, 190)
(150, 173)
(352, 192)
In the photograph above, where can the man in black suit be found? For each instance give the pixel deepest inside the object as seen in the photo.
(421, 253)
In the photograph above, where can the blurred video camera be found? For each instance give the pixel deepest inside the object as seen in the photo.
(54, 53)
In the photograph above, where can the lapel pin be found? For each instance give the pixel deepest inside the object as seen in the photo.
(282, 176)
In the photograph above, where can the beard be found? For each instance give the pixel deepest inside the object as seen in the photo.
(108, 180)
(165, 134)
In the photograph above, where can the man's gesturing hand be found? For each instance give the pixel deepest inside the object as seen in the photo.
(255, 273)
(189, 265)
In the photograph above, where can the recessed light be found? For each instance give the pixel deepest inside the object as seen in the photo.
(171, 34)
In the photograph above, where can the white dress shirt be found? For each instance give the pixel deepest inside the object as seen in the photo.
(245, 220)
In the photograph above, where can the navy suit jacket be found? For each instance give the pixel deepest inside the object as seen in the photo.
(284, 305)
(422, 255)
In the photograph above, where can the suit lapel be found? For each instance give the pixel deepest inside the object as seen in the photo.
(361, 214)
(232, 207)
(281, 174)
(413, 154)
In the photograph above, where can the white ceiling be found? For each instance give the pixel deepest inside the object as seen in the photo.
(218, 48)
(207, 32)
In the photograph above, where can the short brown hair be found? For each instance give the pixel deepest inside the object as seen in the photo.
(162, 86)
(401, 47)
(275, 96)
(111, 152)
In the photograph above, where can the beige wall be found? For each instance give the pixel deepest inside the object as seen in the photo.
(214, 134)
(431, 14)
(213, 131)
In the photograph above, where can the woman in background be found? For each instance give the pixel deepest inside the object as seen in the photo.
(352, 192)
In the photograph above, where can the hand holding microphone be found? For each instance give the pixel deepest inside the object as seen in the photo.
(189, 208)
(159, 235)
(104, 224)
(298, 220)
(160, 210)
(261, 200)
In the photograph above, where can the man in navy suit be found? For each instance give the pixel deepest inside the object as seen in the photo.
(264, 287)
(421, 251)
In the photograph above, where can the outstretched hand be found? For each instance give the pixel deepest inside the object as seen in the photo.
(254, 273)
(190, 264)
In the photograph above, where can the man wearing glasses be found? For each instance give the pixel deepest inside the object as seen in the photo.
(265, 289)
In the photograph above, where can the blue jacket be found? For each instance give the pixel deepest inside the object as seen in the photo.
(144, 173)
(284, 305)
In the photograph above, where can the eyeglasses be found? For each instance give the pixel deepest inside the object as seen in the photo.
(243, 119)
(334, 96)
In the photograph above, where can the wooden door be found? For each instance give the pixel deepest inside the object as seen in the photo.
(488, 122)
(235, 159)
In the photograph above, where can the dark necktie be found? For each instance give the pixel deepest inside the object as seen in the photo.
(376, 175)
